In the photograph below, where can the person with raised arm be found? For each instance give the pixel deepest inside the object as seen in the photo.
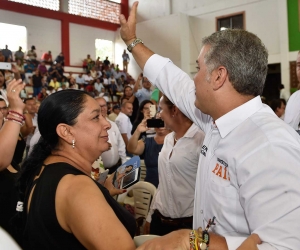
(9, 133)
(245, 145)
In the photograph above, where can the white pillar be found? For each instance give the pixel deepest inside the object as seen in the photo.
(184, 42)
(284, 44)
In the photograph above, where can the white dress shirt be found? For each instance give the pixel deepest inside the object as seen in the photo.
(292, 111)
(177, 174)
(249, 174)
(117, 150)
(124, 124)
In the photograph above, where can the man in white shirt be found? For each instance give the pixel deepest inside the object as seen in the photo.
(292, 110)
(249, 171)
(116, 156)
(123, 121)
(80, 81)
(88, 79)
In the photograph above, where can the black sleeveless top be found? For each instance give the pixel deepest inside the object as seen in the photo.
(42, 230)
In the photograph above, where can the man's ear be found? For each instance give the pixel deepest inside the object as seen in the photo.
(64, 131)
(219, 77)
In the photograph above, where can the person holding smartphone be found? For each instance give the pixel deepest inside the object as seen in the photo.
(172, 206)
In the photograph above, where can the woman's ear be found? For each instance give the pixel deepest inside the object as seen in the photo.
(64, 132)
(175, 110)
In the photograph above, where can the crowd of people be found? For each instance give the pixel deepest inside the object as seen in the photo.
(210, 156)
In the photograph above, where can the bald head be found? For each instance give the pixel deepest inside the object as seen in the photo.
(127, 108)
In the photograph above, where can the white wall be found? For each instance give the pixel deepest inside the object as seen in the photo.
(265, 18)
(82, 42)
(161, 35)
(44, 33)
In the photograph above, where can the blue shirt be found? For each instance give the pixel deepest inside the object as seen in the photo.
(143, 94)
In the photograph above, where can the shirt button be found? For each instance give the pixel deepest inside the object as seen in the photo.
(201, 211)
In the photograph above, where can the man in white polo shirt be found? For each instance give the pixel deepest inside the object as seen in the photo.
(123, 121)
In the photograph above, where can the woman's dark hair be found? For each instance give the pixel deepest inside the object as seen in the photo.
(276, 103)
(168, 102)
(123, 96)
(140, 115)
(3, 73)
(60, 107)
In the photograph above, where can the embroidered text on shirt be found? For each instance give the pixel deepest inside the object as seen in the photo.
(221, 172)
(222, 162)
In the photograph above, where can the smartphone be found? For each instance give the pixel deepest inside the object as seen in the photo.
(5, 65)
(152, 110)
(130, 178)
(155, 123)
(103, 176)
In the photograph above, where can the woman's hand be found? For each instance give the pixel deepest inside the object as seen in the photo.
(16, 72)
(110, 186)
(14, 89)
(250, 243)
(142, 127)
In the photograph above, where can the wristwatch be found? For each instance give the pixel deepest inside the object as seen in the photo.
(133, 44)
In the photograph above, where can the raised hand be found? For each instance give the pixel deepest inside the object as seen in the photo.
(14, 89)
(128, 27)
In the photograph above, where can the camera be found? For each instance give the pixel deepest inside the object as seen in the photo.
(155, 123)
(5, 66)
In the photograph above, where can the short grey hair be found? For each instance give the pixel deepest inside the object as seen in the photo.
(243, 55)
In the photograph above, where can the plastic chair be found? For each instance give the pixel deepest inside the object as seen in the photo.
(143, 170)
(142, 193)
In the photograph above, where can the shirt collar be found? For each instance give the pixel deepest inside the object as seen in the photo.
(191, 131)
(235, 117)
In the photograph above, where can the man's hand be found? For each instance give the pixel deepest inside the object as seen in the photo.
(128, 27)
(177, 240)
(250, 243)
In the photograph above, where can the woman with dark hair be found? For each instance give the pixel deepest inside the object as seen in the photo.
(278, 106)
(142, 113)
(64, 208)
(128, 96)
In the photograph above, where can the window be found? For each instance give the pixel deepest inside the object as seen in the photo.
(13, 42)
(231, 22)
(104, 10)
(104, 48)
(47, 4)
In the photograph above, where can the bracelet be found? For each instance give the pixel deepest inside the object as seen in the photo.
(21, 123)
(133, 44)
(199, 240)
(15, 112)
(16, 116)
